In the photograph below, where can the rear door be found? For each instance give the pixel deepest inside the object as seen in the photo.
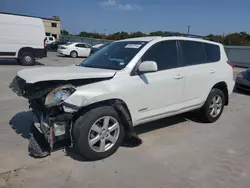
(82, 50)
(87, 50)
(200, 71)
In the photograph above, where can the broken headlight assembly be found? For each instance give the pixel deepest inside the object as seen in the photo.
(58, 95)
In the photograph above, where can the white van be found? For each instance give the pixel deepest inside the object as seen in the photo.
(22, 38)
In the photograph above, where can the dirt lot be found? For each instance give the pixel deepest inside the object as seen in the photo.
(176, 152)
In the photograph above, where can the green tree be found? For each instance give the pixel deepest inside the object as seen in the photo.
(241, 38)
(64, 32)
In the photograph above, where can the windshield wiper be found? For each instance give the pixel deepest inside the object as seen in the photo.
(91, 66)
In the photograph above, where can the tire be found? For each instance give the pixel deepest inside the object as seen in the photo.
(82, 133)
(74, 54)
(206, 110)
(27, 59)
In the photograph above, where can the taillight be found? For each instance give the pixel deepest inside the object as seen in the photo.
(44, 42)
(230, 63)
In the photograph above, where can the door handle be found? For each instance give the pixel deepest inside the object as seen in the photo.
(178, 77)
(212, 71)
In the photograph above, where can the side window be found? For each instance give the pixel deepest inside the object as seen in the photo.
(53, 24)
(193, 53)
(80, 45)
(213, 52)
(164, 54)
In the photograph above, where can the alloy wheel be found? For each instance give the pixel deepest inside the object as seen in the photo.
(104, 134)
(215, 106)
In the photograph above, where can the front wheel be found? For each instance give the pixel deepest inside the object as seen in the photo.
(98, 133)
(213, 107)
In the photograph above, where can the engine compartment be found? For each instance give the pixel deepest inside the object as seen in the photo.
(51, 123)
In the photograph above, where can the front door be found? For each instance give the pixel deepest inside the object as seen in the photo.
(80, 48)
(158, 93)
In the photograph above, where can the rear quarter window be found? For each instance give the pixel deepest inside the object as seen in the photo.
(213, 52)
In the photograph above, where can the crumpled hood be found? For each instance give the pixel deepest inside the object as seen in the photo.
(72, 72)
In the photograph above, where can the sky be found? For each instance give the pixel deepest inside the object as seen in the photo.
(109, 16)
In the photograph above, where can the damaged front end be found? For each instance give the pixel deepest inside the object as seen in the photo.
(52, 117)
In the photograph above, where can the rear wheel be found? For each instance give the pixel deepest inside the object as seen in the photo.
(98, 133)
(73, 54)
(213, 107)
(27, 59)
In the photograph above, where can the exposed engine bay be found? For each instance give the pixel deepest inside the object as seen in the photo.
(53, 118)
(46, 99)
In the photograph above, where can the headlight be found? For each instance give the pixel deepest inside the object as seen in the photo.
(240, 75)
(58, 95)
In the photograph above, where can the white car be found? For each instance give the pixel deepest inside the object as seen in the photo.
(75, 49)
(97, 46)
(127, 83)
(50, 40)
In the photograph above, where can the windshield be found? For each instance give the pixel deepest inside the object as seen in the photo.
(114, 56)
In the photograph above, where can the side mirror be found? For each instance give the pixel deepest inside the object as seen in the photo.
(148, 66)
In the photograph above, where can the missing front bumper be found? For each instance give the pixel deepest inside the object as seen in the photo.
(49, 134)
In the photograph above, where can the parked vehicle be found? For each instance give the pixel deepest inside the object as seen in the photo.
(243, 80)
(50, 40)
(54, 46)
(22, 38)
(75, 49)
(97, 47)
(127, 83)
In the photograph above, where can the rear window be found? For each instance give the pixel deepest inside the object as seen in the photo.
(213, 52)
(193, 53)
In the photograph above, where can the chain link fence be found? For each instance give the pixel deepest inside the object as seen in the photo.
(91, 41)
(239, 55)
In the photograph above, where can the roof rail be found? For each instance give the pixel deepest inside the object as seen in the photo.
(169, 34)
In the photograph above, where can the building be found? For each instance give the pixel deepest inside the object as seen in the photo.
(52, 25)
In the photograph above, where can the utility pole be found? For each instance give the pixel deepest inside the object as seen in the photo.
(189, 26)
(104, 33)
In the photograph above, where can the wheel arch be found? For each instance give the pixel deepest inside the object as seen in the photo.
(119, 105)
(25, 49)
(223, 87)
(73, 51)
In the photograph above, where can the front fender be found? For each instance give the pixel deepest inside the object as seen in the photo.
(95, 93)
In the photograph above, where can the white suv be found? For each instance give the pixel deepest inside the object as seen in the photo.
(129, 82)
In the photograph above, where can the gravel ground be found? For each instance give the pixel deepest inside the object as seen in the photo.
(176, 152)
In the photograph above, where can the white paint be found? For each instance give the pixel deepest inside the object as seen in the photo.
(148, 96)
(81, 51)
(17, 32)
